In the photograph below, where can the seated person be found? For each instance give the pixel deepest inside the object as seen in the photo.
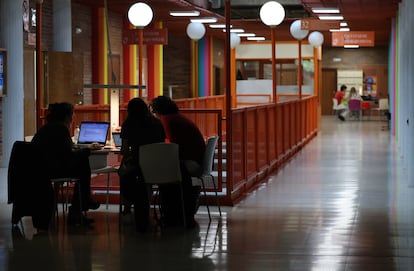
(139, 128)
(58, 159)
(354, 95)
(342, 101)
(182, 131)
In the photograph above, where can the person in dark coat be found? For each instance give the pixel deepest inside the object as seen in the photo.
(57, 158)
(182, 131)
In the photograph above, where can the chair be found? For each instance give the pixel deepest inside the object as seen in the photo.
(25, 186)
(20, 180)
(382, 108)
(205, 171)
(98, 164)
(59, 185)
(335, 105)
(28, 138)
(354, 106)
(160, 164)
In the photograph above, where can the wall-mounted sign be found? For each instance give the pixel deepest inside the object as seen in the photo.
(151, 36)
(360, 38)
(3, 72)
(315, 24)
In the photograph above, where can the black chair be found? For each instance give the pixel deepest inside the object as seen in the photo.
(30, 191)
(21, 181)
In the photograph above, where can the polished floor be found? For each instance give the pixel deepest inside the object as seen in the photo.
(343, 203)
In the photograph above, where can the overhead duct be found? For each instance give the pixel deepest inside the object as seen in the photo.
(62, 26)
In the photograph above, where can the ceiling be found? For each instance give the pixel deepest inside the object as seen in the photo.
(361, 15)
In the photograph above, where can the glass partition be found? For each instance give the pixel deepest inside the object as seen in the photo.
(255, 77)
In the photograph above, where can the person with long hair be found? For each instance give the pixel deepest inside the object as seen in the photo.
(139, 128)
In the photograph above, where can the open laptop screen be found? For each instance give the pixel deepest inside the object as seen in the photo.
(90, 132)
(117, 139)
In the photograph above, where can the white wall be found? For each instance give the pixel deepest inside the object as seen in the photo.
(405, 95)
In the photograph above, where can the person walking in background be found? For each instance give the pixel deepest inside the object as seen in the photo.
(58, 158)
(139, 128)
(182, 131)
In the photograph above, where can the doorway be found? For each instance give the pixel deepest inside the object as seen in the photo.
(329, 78)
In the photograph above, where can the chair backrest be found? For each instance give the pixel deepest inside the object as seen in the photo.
(354, 105)
(21, 171)
(209, 154)
(383, 104)
(335, 103)
(160, 163)
(28, 138)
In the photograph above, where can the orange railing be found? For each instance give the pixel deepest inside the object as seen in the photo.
(263, 136)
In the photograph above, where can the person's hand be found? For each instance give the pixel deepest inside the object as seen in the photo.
(95, 146)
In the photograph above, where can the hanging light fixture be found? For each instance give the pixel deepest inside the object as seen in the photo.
(296, 31)
(234, 40)
(196, 30)
(140, 15)
(315, 38)
(299, 34)
(272, 14)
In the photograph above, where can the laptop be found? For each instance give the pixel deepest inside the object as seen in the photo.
(116, 136)
(92, 132)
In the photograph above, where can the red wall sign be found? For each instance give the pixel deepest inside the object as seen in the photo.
(361, 38)
(315, 24)
(151, 36)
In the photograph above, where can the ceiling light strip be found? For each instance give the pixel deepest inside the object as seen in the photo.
(325, 10)
(331, 17)
(256, 38)
(205, 20)
(218, 26)
(235, 30)
(246, 34)
(351, 46)
(185, 13)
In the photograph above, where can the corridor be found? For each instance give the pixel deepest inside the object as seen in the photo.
(343, 203)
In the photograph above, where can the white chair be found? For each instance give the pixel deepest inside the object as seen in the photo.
(203, 172)
(28, 138)
(382, 108)
(335, 105)
(160, 164)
